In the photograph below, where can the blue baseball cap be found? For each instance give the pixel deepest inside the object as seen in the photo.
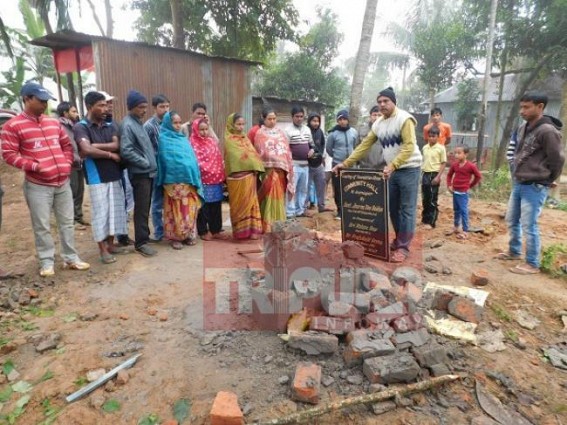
(37, 90)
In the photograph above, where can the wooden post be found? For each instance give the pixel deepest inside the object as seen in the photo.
(80, 81)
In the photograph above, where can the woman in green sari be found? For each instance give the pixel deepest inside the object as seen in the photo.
(242, 165)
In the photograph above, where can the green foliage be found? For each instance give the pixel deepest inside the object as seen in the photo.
(467, 103)
(512, 335)
(111, 406)
(49, 411)
(80, 381)
(552, 258)
(308, 74)
(6, 393)
(40, 312)
(151, 419)
(19, 409)
(501, 312)
(46, 376)
(246, 29)
(181, 410)
(8, 366)
(495, 186)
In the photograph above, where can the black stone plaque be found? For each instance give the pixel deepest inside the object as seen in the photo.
(364, 211)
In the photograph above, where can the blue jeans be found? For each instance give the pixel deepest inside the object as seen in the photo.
(403, 187)
(461, 210)
(296, 206)
(157, 211)
(524, 207)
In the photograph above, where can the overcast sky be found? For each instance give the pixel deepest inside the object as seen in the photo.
(350, 14)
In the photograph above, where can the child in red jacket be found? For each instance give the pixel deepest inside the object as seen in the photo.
(462, 176)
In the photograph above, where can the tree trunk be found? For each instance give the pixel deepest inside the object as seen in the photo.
(362, 59)
(486, 83)
(109, 21)
(71, 88)
(563, 117)
(431, 99)
(177, 21)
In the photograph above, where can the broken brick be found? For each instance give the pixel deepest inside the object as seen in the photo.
(430, 355)
(408, 323)
(360, 349)
(414, 338)
(441, 300)
(479, 277)
(391, 369)
(439, 370)
(373, 280)
(352, 250)
(313, 343)
(344, 310)
(391, 312)
(465, 309)
(307, 383)
(225, 410)
(332, 325)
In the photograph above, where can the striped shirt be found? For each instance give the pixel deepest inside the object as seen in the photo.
(38, 146)
(152, 127)
(300, 142)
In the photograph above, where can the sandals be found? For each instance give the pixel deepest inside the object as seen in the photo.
(450, 232)
(525, 269)
(191, 241)
(462, 236)
(206, 237)
(176, 245)
(220, 236)
(107, 258)
(507, 256)
(398, 256)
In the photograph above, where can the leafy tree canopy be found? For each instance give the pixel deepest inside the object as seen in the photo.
(308, 74)
(246, 29)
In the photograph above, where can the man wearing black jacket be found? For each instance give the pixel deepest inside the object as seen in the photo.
(538, 164)
(316, 166)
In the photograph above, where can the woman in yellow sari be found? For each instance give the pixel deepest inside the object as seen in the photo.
(271, 143)
(242, 164)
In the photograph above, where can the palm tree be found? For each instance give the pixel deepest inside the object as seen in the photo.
(362, 59)
(6, 39)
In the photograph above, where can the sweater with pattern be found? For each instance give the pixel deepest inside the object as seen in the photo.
(40, 147)
(396, 134)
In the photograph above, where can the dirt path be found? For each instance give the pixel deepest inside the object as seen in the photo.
(182, 361)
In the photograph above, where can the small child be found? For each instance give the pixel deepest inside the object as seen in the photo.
(462, 176)
(434, 160)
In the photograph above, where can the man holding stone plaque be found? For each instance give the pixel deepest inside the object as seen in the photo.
(395, 131)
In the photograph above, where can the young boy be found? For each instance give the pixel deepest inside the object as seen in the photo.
(462, 176)
(434, 160)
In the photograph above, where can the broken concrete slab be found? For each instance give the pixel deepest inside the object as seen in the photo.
(415, 338)
(439, 370)
(491, 341)
(526, 320)
(383, 407)
(408, 323)
(332, 325)
(313, 343)
(372, 280)
(391, 369)
(360, 349)
(452, 328)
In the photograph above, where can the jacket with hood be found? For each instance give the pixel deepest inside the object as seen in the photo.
(539, 158)
(341, 143)
(318, 135)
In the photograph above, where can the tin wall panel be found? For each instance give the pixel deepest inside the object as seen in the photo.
(223, 85)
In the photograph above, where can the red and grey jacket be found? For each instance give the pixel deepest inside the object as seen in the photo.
(38, 146)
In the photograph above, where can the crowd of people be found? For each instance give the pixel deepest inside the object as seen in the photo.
(176, 173)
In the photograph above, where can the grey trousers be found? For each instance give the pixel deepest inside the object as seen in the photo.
(42, 200)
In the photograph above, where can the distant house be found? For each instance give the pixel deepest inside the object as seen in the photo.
(282, 107)
(446, 100)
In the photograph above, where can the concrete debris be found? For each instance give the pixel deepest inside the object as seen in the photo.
(383, 407)
(314, 343)
(391, 369)
(491, 341)
(526, 320)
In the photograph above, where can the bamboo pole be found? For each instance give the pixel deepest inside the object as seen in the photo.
(364, 399)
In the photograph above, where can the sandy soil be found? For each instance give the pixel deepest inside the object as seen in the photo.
(182, 361)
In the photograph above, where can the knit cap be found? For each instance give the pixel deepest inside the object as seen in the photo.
(389, 93)
(343, 113)
(134, 98)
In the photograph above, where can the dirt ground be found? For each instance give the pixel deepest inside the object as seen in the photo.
(154, 306)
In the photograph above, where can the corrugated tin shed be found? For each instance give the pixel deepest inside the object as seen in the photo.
(185, 77)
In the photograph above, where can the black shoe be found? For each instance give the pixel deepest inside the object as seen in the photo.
(124, 240)
(146, 250)
(155, 240)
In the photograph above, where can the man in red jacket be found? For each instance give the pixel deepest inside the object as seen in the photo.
(38, 145)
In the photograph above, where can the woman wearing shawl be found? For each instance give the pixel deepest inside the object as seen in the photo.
(178, 174)
(211, 165)
(271, 144)
(242, 163)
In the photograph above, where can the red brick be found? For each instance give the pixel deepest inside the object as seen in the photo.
(344, 310)
(408, 323)
(465, 309)
(306, 383)
(225, 410)
(479, 277)
(332, 325)
(352, 250)
(441, 300)
(32, 293)
(373, 280)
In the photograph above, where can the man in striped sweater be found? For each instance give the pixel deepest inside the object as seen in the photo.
(38, 145)
(395, 130)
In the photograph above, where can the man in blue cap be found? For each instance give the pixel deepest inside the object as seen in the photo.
(38, 145)
(137, 151)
